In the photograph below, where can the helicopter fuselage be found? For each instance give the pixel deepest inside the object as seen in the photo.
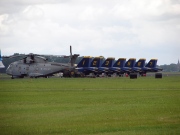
(36, 69)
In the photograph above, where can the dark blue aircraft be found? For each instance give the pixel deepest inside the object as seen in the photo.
(97, 62)
(89, 65)
(150, 67)
(138, 66)
(118, 65)
(128, 66)
(84, 65)
(107, 64)
(98, 66)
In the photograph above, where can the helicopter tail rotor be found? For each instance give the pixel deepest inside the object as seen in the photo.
(72, 57)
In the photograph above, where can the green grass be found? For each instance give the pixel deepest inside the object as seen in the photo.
(109, 106)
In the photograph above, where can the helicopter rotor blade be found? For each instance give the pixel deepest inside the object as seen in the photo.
(13, 56)
(32, 55)
(52, 55)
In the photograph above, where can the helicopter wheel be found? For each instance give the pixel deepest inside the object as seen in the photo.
(12, 77)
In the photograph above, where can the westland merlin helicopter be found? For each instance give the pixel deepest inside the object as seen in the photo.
(35, 65)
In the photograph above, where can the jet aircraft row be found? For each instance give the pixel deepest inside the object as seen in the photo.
(98, 65)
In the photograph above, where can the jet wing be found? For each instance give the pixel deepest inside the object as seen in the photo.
(126, 69)
(91, 69)
(115, 69)
(135, 69)
(103, 69)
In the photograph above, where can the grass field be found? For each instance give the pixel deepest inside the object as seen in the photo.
(109, 106)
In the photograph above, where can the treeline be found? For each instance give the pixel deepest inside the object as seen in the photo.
(170, 68)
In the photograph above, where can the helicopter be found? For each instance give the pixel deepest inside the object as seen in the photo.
(35, 65)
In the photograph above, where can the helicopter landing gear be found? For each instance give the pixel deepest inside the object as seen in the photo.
(12, 77)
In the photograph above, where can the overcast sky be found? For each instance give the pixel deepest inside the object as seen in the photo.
(111, 28)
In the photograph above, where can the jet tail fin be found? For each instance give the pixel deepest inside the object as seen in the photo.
(140, 63)
(120, 62)
(1, 64)
(85, 62)
(108, 62)
(152, 63)
(97, 61)
(130, 63)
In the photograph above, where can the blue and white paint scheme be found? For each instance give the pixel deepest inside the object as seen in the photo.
(1, 64)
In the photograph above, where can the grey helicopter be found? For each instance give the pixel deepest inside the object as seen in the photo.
(35, 65)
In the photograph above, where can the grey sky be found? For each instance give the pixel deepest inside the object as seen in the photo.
(112, 28)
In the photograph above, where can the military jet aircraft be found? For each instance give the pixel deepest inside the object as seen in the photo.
(142, 69)
(138, 66)
(121, 66)
(1, 64)
(105, 67)
(120, 63)
(89, 65)
(83, 67)
(35, 65)
(128, 66)
(150, 67)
